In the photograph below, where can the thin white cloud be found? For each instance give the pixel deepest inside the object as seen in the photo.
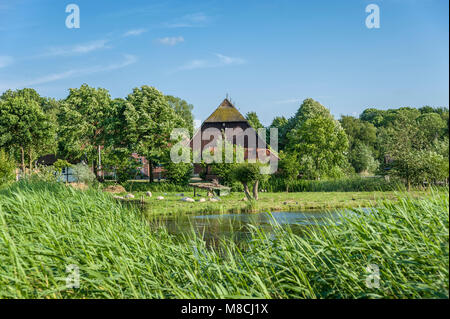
(171, 40)
(226, 60)
(77, 49)
(134, 32)
(5, 61)
(128, 60)
(220, 61)
(188, 21)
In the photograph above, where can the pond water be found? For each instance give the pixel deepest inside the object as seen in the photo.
(214, 227)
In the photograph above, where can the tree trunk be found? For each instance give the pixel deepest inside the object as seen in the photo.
(100, 171)
(255, 190)
(23, 160)
(247, 191)
(150, 171)
(95, 168)
(30, 160)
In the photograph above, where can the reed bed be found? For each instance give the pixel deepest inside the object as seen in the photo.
(44, 227)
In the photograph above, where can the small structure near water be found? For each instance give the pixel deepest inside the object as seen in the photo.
(212, 188)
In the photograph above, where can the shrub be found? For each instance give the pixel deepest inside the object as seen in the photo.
(143, 186)
(60, 164)
(43, 174)
(7, 167)
(83, 173)
(178, 173)
(351, 184)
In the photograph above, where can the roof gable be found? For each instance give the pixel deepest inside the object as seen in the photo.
(225, 112)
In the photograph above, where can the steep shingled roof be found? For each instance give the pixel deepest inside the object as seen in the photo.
(226, 112)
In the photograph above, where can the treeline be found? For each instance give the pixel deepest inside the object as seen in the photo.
(409, 144)
(89, 121)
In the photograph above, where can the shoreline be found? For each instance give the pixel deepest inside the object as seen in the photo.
(288, 202)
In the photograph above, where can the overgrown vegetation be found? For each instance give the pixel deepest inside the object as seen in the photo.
(351, 184)
(408, 144)
(45, 227)
(7, 168)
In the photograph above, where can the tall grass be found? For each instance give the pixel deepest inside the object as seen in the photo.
(45, 227)
(143, 186)
(277, 184)
(350, 184)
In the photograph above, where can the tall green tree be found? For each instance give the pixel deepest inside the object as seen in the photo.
(280, 123)
(361, 158)
(81, 123)
(149, 121)
(253, 120)
(373, 116)
(182, 109)
(359, 131)
(23, 124)
(362, 137)
(318, 140)
(432, 127)
(288, 168)
(408, 150)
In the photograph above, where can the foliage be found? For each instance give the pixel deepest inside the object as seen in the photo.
(115, 249)
(249, 174)
(362, 160)
(289, 169)
(7, 167)
(317, 140)
(280, 123)
(409, 146)
(431, 127)
(178, 173)
(42, 173)
(277, 183)
(359, 131)
(81, 123)
(224, 171)
(253, 120)
(320, 144)
(184, 110)
(83, 173)
(23, 124)
(143, 186)
(60, 164)
(362, 137)
(148, 120)
(121, 163)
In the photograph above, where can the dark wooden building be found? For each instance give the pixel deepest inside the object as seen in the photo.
(227, 116)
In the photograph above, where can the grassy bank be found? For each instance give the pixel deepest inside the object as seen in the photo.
(233, 203)
(276, 184)
(46, 227)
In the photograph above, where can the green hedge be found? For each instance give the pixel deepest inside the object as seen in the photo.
(143, 186)
(356, 184)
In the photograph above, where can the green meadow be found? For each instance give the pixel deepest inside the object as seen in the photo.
(236, 203)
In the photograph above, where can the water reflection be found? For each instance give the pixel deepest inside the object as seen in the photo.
(214, 228)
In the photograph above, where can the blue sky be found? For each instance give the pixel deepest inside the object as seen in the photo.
(267, 55)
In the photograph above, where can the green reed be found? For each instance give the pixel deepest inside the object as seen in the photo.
(44, 227)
